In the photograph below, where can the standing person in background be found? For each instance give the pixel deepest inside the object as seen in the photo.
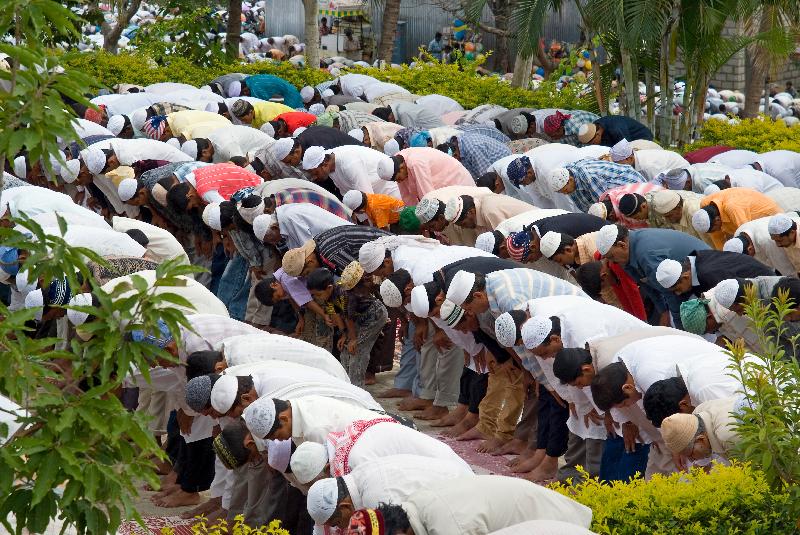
(324, 29)
(435, 46)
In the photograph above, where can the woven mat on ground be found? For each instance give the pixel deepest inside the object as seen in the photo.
(466, 450)
(154, 524)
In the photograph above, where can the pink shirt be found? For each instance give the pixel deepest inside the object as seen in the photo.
(224, 179)
(430, 169)
(615, 194)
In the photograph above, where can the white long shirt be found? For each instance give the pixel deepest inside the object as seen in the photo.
(357, 169)
(162, 245)
(207, 331)
(651, 162)
(300, 222)
(130, 151)
(735, 158)
(237, 140)
(708, 377)
(104, 242)
(783, 165)
(314, 417)
(422, 262)
(353, 85)
(33, 200)
(767, 251)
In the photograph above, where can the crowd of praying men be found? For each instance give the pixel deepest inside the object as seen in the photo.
(559, 285)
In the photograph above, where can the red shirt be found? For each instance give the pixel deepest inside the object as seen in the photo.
(296, 119)
(224, 178)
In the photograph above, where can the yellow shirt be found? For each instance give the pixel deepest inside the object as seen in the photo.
(383, 209)
(738, 206)
(267, 111)
(182, 122)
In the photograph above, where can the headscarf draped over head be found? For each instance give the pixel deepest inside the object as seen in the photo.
(366, 522)
(420, 139)
(519, 245)
(154, 126)
(553, 122)
(94, 115)
(517, 169)
(409, 222)
(693, 315)
(326, 119)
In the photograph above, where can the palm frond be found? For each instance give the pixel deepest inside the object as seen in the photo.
(528, 21)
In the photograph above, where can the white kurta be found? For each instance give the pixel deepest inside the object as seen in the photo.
(439, 104)
(422, 262)
(127, 103)
(783, 165)
(50, 219)
(10, 420)
(33, 200)
(237, 140)
(300, 222)
(102, 241)
(543, 527)
(314, 417)
(752, 179)
(208, 330)
(357, 169)
(735, 158)
(516, 223)
(476, 505)
(130, 151)
(395, 478)
(353, 85)
(708, 376)
(162, 245)
(767, 252)
(85, 128)
(651, 162)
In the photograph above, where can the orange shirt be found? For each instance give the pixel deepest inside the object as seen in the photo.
(383, 210)
(738, 206)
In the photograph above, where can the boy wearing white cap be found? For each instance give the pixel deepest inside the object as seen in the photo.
(783, 231)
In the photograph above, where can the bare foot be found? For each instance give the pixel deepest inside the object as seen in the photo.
(167, 480)
(369, 379)
(544, 472)
(526, 454)
(526, 465)
(432, 413)
(164, 493)
(394, 393)
(213, 516)
(489, 445)
(204, 508)
(453, 418)
(180, 499)
(163, 468)
(472, 434)
(414, 404)
(512, 447)
(468, 422)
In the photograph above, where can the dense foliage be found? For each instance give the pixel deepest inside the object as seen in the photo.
(727, 500)
(759, 135)
(221, 527)
(469, 89)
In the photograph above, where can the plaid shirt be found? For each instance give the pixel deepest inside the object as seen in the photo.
(479, 152)
(510, 289)
(309, 196)
(577, 119)
(339, 246)
(614, 195)
(595, 177)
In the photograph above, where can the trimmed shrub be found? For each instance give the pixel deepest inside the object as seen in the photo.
(759, 135)
(727, 500)
(469, 89)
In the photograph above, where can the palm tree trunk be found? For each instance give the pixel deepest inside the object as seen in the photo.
(667, 89)
(234, 29)
(650, 101)
(756, 67)
(501, 44)
(391, 13)
(630, 84)
(111, 35)
(522, 71)
(311, 33)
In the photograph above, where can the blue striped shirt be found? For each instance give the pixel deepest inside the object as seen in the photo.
(511, 289)
(595, 177)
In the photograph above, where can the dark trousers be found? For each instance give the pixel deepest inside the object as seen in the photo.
(195, 465)
(381, 358)
(618, 465)
(472, 389)
(552, 434)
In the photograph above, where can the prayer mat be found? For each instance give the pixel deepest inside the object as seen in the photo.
(155, 524)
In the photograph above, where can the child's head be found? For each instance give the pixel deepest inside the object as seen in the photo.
(269, 291)
(320, 284)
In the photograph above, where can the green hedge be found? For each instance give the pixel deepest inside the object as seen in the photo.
(759, 135)
(469, 89)
(729, 500)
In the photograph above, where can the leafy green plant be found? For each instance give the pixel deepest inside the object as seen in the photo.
(79, 452)
(238, 528)
(727, 500)
(759, 135)
(186, 35)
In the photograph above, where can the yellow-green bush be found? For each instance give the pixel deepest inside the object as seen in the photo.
(758, 135)
(469, 89)
(728, 500)
(238, 528)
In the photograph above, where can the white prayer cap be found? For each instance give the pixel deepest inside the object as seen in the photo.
(334, 71)
(234, 89)
(189, 148)
(70, 170)
(386, 169)
(725, 292)
(606, 238)
(668, 272)
(139, 117)
(298, 131)
(535, 330)
(357, 133)
(116, 123)
(391, 294)
(426, 209)
(371, 255)
(76, 317)
(701, 221)
(621, 150)
(353, 199)
(95, 160)
(778, 224)
(322, 500)
(262, 223)
(127, 189)
(450, 313)
(250, 213)
(461, 287)
(205, 88)
(711, 189)
(420, 304)
(282, 147)
(213, 107)
(20, 167)
(558, 178)
(35, 299)
(549, 243)
(485, 241)
(313, 157)
(174, 142)
(391, 147)
(598, 209)
(317, 109)
(308, 460)
(23, 285)
(453, 209)
(268, 129)
(223, 395)
(734, 245)
(279, 453)
(211, 216)
(665, 200)
(260, 416)
(307, 93)
(505, 329)
(328, 93)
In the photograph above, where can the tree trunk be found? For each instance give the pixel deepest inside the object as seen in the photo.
(501, 45)
(667, 90)
(522, 71)
(756, 68)
(311, 33)
(111, 35)
(234, 29)
(630, 84)
(391, 13)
